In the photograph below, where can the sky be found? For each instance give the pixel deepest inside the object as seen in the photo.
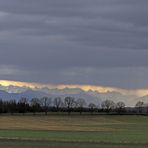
(75, 42)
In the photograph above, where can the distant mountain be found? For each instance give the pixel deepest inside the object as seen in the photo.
(5, 95)
(28, 94)
(114, 96)
(52, 93)
(89, 96)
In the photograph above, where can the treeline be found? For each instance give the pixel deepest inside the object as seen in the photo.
(68, 104)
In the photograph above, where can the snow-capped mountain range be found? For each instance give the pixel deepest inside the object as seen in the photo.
(13, 92)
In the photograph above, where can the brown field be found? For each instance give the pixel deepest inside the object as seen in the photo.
(58, 123)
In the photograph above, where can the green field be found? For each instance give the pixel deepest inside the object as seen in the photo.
(75, 131)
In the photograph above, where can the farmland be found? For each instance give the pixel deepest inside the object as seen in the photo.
(75, 131)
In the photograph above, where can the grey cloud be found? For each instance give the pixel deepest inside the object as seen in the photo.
(46, 39)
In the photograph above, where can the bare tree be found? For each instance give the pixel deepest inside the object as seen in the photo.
(146, 106)
(23, 100)
(35, 105)
(80, 104)
(57, 103)
(140, 106)
(45, 103)
(69, 103)
(12, 106)
(120, 106)
(23, 105)
(1, 106)
(108, 105)
(92, 106)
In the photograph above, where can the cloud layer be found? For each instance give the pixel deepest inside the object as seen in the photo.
(20, 86)
(75, 42)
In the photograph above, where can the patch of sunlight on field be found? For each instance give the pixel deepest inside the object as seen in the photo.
(78, 123)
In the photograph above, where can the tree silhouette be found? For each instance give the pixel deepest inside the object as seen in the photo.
(120, 106)
(45, 103)
(108, 105)
(23, 105)
(35, 105)
(140, 106)
(69, 103)
(12, 105)
(92, 106)
(80, 104)
(57, 103)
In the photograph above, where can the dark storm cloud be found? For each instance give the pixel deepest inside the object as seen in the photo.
(82, 41)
